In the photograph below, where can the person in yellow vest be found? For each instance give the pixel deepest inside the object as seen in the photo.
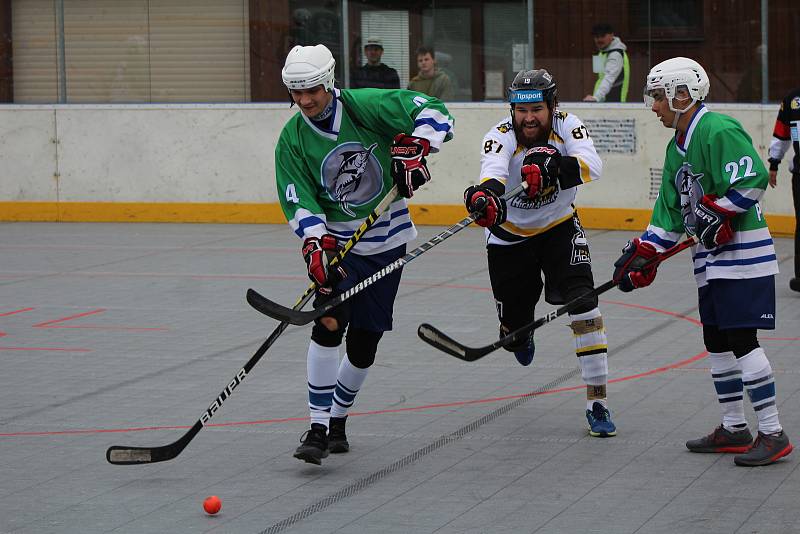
(611, 65)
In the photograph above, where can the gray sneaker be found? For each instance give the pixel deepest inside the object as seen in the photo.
(767, 449)
(722, 440)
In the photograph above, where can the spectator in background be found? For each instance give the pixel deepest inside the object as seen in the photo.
(429, 80)
(611, 65)
(374, 73)
(786, 133)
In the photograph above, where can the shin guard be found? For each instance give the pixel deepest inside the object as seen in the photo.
(591, 347)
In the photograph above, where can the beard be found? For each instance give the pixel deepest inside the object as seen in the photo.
(541, 135)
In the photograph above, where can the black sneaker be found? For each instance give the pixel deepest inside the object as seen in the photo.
(337, 439)
(794, 284)
(722, 440)
(314, 445)
(767, 449)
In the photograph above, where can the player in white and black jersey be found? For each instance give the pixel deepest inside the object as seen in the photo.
(538, 232)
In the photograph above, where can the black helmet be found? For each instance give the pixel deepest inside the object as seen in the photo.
(532, 86)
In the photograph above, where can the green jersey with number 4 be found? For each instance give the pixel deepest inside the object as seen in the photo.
(331, 176)
(715, 157)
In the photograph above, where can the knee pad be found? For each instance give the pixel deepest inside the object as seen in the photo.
(714, 340)
(587, 304)
(362, 345)
(324, 337)
(742, 340)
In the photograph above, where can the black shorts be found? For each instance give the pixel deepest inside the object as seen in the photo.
(561, 254)
(372, 308)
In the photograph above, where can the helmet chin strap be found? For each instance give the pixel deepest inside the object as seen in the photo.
(679, 112)
(676, 119)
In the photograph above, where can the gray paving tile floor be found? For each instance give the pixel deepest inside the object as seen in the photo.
(124, 333)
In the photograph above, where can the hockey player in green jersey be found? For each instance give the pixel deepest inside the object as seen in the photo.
(711, 185)
(334, 162)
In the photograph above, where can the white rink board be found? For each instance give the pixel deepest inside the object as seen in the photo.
(225, 153)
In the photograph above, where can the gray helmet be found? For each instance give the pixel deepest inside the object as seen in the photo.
(533, 86)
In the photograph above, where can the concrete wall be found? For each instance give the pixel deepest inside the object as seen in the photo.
(215, 162)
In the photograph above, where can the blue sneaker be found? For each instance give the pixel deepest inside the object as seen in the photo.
(600, 424)
(525, 356)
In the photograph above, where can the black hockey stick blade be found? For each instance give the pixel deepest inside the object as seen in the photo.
(296, 317)
(271, 308)
(120, 455)
(438, 339)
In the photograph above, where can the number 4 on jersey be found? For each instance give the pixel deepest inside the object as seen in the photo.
(291, 194)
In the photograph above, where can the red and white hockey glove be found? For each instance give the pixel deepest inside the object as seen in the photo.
(540, 169)
(712, 222)
(629, 270)
(317, 253)
(409, 170)
(484, 200)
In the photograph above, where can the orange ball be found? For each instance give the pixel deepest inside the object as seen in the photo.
(212, 504)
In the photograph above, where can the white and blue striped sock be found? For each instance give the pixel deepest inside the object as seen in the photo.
(348, 383)
(322, 364)
(760, 385)
(727, 375)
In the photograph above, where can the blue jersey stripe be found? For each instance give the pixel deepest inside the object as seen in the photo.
(393, 231)
(734, 246)
(653, 238)
(740, 201)
(438, 126)
(743, 261)
(307, 222)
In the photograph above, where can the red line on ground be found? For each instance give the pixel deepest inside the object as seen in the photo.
(372, 412)
(47, 324)
(657, 310)
(98, 327)
(657, 370)
(6, 314)
(60, 349)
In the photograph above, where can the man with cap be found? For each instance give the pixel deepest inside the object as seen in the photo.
(375, 73)
(611, 66)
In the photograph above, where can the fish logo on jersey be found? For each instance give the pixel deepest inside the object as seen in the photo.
(691, 191)
(352, 175)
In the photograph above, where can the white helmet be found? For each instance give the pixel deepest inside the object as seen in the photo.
(673, 73)
(309, 66)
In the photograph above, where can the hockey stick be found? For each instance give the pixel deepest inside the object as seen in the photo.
(297, 317)
(436, 338)
(123, 455)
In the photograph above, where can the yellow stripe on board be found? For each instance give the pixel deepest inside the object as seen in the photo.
(635, 220)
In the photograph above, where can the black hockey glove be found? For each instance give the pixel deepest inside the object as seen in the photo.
(628, 272)
(317, 253)
(712, 223)
(486, 201)
(540, 169)
(409, 169)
